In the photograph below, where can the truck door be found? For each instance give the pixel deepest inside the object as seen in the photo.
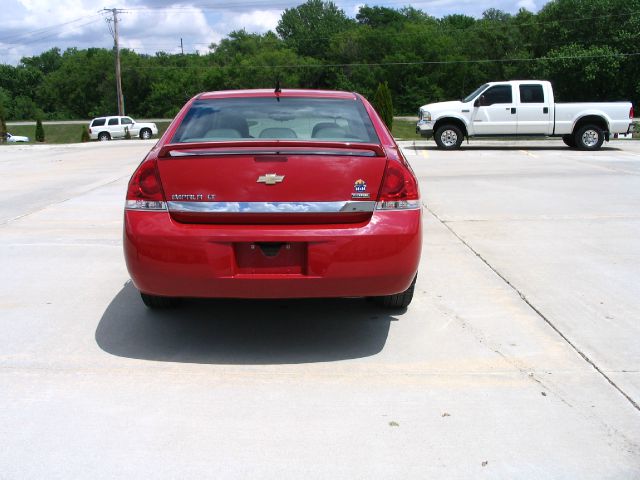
(494, 112)
(114, 128)
(127, 122)
(534, 110)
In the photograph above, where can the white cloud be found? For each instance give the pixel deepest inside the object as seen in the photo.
(38, 25)
(258, 21)
(149, 31)
(355, 9)
(528, 4)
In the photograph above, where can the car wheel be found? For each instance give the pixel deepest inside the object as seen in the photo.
(157, 303)
(569, 141)
(104, 136)
(145, 134)
(589, 137)
(448, 137)
(399, 300)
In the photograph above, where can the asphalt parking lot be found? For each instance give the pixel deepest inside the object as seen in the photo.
(518, 358)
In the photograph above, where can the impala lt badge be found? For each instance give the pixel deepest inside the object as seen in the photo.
(186, 196)
(270, 178)
(192, 196)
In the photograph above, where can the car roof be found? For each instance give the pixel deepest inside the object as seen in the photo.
(283, 93)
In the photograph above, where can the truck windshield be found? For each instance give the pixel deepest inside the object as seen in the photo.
(470, 97)
(289, 118)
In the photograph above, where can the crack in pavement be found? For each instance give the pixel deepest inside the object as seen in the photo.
(584, 356)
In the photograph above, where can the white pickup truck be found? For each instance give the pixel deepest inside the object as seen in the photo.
(523, 108)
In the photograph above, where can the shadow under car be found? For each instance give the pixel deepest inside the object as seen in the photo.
(228, 331)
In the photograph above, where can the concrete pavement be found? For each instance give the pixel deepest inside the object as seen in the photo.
(504, 366)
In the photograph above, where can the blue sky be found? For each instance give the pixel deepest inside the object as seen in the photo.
(30, 27)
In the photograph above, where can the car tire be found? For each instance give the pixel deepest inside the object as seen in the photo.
(589, 137)
(104, 136)
(569, 141)
(145, 134)
(448, 137)
(399, 300)
(158, 303)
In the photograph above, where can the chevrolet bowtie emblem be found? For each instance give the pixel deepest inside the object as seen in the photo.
(270, 178)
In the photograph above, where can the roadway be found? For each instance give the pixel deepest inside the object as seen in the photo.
(518, 357)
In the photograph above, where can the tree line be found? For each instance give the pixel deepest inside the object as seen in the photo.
(587, 48)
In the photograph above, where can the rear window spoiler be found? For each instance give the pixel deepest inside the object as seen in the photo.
(261, 147)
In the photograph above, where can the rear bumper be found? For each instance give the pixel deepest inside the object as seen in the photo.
(192, 260)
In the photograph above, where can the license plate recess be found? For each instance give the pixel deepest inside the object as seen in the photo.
(270, 258)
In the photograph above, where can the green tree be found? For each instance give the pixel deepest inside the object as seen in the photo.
(379, 16)
(25, 108)
(581, 74)
(383, 104)
(422, 59)
(39, 131)
(3, 125)
(84, 137)
(611, 24)
(83, 86)
(47, 62)
(308, 28)
(5, 102)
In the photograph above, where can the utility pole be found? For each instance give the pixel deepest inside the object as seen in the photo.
(181, 46)
(116, 48)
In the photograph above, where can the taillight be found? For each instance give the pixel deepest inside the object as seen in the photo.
(631, 112)
(145, 188)
(399, 190)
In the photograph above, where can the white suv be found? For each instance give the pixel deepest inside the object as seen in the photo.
(106, 128)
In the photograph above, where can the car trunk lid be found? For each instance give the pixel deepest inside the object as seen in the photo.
(271, 182)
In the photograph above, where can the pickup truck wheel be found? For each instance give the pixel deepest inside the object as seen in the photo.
(157, 303)
(399, 300)
(104, 136)
(448, 137)
(589, 137)
(569, 141)
(145, 134)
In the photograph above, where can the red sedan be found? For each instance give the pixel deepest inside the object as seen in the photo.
(263, 194)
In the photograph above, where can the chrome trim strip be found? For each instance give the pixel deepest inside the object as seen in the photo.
(271, 207)
(333, 152)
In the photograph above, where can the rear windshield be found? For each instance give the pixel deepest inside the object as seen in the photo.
(291, 118)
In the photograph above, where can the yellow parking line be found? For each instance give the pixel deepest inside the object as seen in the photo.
(526, 152)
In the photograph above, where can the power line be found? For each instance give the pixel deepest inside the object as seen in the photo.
(47, 33)
(42, 30)
(479, 24)
(275, 5)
